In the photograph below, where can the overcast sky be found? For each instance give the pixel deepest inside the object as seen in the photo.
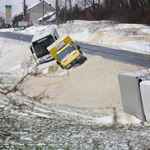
(17, 5)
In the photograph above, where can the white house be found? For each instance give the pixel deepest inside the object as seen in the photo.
(36, 11)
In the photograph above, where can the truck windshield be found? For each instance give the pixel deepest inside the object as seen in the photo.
(40, 46)
(66, 52)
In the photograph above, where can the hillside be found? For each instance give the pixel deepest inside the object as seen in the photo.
(77, 111)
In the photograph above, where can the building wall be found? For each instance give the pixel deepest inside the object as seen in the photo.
(37, 12)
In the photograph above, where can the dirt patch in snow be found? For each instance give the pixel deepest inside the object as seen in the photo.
(93, 85)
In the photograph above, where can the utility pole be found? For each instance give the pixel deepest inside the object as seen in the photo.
(56, 12)
(24, 9)
(43, 12)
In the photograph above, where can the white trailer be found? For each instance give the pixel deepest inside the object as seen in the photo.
(41, 40)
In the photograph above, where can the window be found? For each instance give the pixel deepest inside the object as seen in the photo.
(40, 48)
(66, 52)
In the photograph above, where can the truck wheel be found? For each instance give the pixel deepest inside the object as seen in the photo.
(85, 58)
(61, 66)
(82, 60)
(58, 63)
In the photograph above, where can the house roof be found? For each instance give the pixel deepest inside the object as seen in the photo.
(34, 5)
(49, 15)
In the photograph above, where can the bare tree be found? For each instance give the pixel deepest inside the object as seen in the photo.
(70, 5)
(96, 9)
(128, 4)
(85, 1)
(65, 10)
(2, 20)
(56, 11)
(107, 4)
(16, 89)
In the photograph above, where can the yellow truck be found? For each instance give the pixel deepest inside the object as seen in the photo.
(66, 53)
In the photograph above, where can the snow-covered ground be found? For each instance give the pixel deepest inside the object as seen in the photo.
(79, 111)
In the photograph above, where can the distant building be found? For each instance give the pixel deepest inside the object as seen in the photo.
(36, 11)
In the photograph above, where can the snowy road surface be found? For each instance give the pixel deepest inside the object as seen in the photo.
(21, 37)
(119, 55)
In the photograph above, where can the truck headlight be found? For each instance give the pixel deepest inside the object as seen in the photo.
(79, 56)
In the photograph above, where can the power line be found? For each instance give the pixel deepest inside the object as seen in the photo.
(17, 3)
(2, 6)
(12, 5)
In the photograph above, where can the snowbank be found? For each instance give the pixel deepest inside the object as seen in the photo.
(130, 37)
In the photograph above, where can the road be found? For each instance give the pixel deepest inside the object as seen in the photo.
(109, 53)
(119, 55)
(26, 38)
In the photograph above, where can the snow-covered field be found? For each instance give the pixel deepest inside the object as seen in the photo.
(33, 125)
(79, 111)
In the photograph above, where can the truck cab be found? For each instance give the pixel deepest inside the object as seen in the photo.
(41, 40)
(66, 53)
